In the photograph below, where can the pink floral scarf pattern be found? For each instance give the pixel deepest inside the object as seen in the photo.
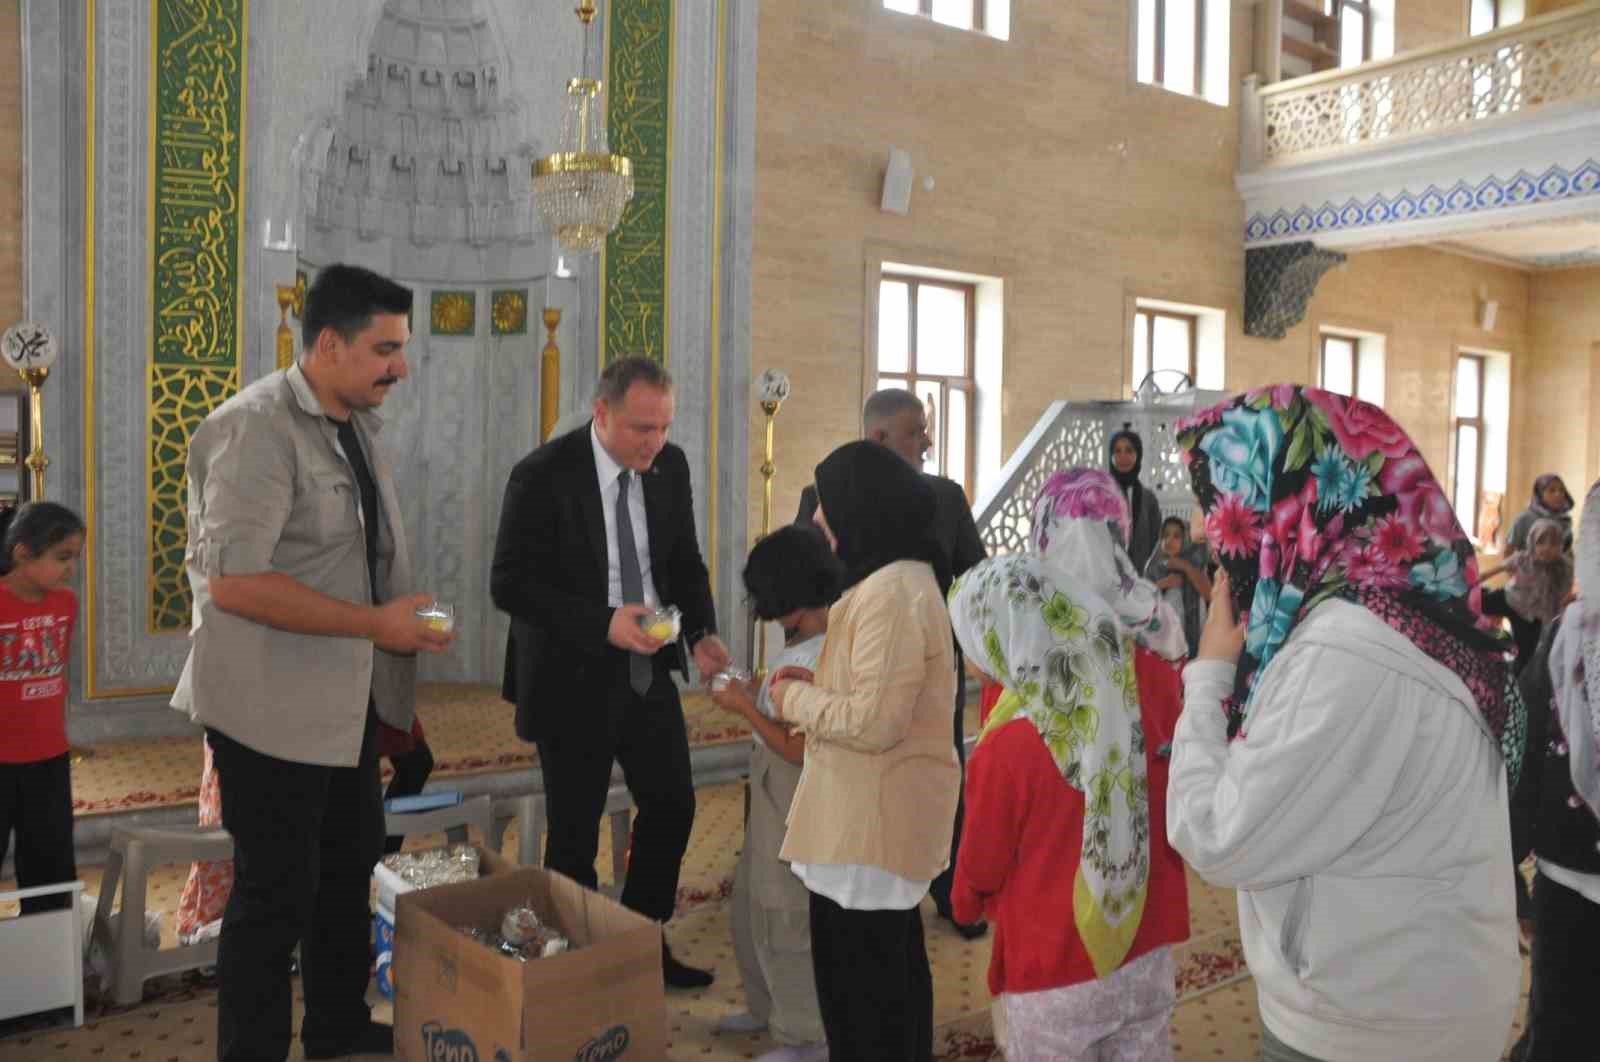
(1311, 495)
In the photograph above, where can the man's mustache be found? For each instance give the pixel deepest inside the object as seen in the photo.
(388, 380)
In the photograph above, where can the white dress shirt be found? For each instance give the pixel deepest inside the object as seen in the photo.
(606, 471)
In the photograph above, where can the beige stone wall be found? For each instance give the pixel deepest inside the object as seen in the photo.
(1420, 23)
(1081, 189)
(1559, 394)
(1054, 169)
(1425, 304)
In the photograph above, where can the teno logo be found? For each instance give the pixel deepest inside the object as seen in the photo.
(447, 1045)
(608, 1045)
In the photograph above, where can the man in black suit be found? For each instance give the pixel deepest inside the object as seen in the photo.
(597, 530)
(894, 417)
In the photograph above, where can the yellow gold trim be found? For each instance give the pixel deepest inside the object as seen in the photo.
(583, 86)
(583, 162)
(88, 634)
(666, 228)
(717, 177)
(600, 275)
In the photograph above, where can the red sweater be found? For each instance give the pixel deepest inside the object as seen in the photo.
(34, 638)
(1022, 841)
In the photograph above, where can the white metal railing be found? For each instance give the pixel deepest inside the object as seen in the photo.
(1545, 61)
(1074, 434)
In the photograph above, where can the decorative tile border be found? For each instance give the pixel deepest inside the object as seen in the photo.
(508, 312)
(1492, 193)
(453, 313)
(638, 101)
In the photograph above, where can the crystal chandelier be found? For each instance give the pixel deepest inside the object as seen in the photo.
(581, 190)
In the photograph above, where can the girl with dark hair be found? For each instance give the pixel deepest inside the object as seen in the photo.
(792, 577)
(39, 547)
(1126, 458)
(870, 825)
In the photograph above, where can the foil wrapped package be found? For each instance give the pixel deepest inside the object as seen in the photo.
(437, 866)
(522, 936)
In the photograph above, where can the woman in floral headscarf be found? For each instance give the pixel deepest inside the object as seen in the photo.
(1343, 752)
(1066, 846)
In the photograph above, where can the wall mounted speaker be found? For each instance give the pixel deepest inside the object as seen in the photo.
(897, 183)
(1487, 309)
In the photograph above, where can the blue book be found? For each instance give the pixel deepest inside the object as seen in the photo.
(444, 798)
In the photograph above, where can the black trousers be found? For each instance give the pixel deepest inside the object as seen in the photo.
(646, 735)
(36, 802)
(305, 838)
(1566, 977)
(1524, 632)
(411, 770)
(939, 888)
(874, 987)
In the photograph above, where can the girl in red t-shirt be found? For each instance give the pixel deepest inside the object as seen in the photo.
(39, 547)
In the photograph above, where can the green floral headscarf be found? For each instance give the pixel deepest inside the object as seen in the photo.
(1066, 663)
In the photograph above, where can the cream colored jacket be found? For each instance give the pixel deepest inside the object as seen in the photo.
(880, 781)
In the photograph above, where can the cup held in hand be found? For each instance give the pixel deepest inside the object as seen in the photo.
(727, 677)
(439, 616)
(662, 624)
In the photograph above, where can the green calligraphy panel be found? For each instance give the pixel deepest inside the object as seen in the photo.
(639, 98)
(196, 214)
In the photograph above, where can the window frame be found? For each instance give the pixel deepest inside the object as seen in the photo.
(1365, 7)
(1480, 424)
(1150, 314)
(1494, 18)
(909, 378)
(1355, 360)
(1159, 70)
(980, 14)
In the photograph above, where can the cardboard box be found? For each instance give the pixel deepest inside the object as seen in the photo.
(459, 1001)
(391, 886)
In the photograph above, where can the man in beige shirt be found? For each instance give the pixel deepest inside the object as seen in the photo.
(304, 636)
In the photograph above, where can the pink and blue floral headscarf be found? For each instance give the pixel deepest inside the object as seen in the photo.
(1311, 495)
(1080, 521)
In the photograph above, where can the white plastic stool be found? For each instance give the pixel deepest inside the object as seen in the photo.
(452, 821)
(45, 950)
(133, 852)
(619, 809)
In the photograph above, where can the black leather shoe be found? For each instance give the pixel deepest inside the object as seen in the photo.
(677, 975)
(375, 1039)
(968, 930)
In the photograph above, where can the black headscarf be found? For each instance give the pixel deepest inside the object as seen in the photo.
(880, 510)
(1130, 478)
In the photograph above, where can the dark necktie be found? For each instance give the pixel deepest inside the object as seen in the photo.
(640, 671)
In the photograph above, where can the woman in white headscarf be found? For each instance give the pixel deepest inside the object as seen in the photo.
(1066, 852)
(1553, 815)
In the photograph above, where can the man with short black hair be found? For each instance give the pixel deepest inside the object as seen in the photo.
(305, 635)
(597, 530)
(894, 417)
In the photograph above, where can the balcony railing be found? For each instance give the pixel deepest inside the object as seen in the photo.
(1545, 62)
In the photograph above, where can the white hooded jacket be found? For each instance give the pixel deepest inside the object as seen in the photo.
(1362, 817)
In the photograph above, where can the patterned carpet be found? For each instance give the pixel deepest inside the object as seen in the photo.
(470, 729)
(177, 1020)
(468, 726)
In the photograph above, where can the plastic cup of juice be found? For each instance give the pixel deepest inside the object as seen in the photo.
(662, 624)
(438, 616)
